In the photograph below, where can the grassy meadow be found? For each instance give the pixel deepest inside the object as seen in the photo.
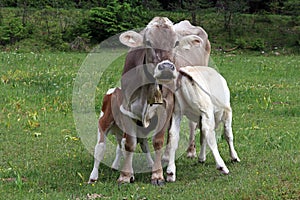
(43, 157)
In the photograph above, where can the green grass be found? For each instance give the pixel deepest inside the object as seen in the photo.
(42, 157)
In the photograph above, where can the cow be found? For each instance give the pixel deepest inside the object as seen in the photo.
(108, 123)
(140, 92)
(193, 49)
(203, 96)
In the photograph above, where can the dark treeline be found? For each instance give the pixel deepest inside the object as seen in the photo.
(80, 24)
(288, 7)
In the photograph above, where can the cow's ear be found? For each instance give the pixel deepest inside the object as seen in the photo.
(193, 40)
(196, 40)
(131, 39)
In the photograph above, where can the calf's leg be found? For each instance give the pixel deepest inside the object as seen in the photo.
(208, 125)
(227, 119)
(126, 175)
(116, 163)
(98, 156)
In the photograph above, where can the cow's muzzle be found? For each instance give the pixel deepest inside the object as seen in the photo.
(167, 65)
(165, 71)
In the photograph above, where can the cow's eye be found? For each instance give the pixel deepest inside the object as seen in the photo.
(176, 43)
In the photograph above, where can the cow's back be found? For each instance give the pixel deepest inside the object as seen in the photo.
(211, 82)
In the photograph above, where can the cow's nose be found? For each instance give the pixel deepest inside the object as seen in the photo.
(166, 65)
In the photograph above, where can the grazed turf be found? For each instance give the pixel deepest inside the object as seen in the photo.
(42, 156)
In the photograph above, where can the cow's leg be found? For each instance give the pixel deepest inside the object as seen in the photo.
(126, 175)
(191, 151)
(98, 156)
(157, 177)
(166, 155)
(116, 164)
(207, 127)
(227, 119)
(145, 148)
(173, 142)
(105, 123)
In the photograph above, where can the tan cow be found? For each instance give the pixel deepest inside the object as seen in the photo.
(153, 45)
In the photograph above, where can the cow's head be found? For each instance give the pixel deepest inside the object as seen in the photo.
(191, 51)
(158, 39)
(194, 47)
(157, 42)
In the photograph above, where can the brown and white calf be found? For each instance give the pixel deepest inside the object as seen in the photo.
(203, 96)
(111, 120)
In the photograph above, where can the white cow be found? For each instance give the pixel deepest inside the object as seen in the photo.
(203, 96)
(193, 49)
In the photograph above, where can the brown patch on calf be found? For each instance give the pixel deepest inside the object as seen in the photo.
(107, 119)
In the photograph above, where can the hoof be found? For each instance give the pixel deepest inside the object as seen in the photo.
(94, 176)
(201, 159)
(91, 181)
(125, 179)
(157, 182)
(223, 170)
(235, 160)
(132, 179)
(171, 177)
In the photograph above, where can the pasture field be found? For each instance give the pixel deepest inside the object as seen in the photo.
(42, 156)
